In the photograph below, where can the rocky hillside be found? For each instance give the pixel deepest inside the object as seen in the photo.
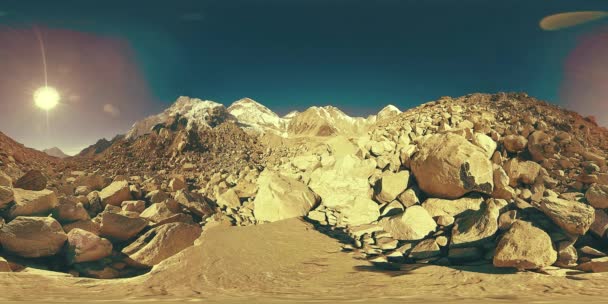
(16, 159)
(502, 179)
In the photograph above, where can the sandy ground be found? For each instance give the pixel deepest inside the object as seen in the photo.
(290, 261)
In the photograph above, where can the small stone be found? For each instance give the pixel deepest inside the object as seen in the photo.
(515, 143)
(507, 219)
(566, 254)
(133, 206)
(6, 196)
(391, 185)
(425, 249)
(177, 183)
(413, 224)
(444, 220)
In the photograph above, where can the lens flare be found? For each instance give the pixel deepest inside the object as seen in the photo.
(569, 19)
(46, 98)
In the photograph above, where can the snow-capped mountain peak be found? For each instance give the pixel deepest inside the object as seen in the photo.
(254, 115)
(388, 111)
(199, 113)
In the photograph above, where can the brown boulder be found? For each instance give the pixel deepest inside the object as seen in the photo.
(573, 217)
(162, 242)
(29, 203)
(121, 227)
(84, 246)
(32, 180)
(70, 210)
(116, 193)
(524, 247)
(32, 237)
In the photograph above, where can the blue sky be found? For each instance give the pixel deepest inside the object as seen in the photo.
(357, 55)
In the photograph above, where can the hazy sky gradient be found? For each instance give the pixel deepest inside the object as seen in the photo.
(123, 60)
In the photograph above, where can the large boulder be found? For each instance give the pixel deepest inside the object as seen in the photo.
(28, 203)
(414, 223)
(339, 184)
(391, 185)
(344, 188)
(449, 166)
(70, 210)
(196, 204)
(573, 217)
(161, 243)
(93, 182)
(6, 196)
(32, 237)
(438, 207)
(280, 197)
(84, 246)
(32, 180)
(476, 227)
(597, 196)
(116, 193)
(524, 247)
(120, 227)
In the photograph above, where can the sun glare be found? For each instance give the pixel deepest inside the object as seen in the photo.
(46, 98)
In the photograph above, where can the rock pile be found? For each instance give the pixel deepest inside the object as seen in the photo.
(95, 227)
(502, 179)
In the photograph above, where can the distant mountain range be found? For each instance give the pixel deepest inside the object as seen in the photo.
(253, 116)
(55, 152)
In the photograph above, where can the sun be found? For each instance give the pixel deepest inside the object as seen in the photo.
(46, 98)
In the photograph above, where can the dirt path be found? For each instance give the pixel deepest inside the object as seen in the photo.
(289, 261)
